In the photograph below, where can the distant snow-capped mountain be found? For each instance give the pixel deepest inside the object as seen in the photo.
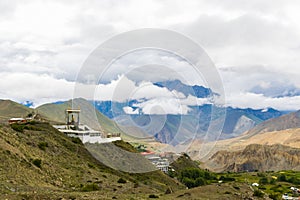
(180, 128)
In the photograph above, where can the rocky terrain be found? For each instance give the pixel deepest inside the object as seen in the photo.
(268, 146)
(256, 157)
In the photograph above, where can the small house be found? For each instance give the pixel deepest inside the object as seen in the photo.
(16, 120)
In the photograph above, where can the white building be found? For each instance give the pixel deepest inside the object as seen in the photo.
(73, 128)
(160, 163)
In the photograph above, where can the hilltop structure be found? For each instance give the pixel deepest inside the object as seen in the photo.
(73, 128)
(160, 163)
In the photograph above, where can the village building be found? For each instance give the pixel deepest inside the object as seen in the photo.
(73, 128)
(160, 163)
(16, 120)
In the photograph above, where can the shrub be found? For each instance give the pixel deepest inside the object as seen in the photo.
(153, 196)
(258, 193)
(91, 166)
(264, 180)
(188, 182)
(277, 189)
(273, 181)
(260, 174)
(194, 177)
(226, 178)
(275, 196)
(294, 180)
(90, 187)
(37, 162)
(17, 127)
(236, 187)
(200, 181)
(121, 180)
(76, 140)
(43, 145)
(282, 177)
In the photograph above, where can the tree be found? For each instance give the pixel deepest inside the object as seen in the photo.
(264, 180)
(200, 181)
(282, 177)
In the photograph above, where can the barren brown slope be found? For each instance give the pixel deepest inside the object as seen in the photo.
(289, 137)
(288, 121)
(282, 130)
(256, 157)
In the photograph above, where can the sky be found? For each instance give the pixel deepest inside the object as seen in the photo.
(255, 46)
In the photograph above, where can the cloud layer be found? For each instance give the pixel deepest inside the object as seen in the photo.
(254, 44)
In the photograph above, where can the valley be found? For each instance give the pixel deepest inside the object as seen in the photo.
(40, 162)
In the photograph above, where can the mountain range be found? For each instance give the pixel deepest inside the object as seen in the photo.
(176, 128)
(271, 145)
(195, 124)
(276, 138)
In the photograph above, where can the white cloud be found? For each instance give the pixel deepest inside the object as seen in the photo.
(40, 88)
(259, 101)
(251, 42)
(163, 106)
(130, 111)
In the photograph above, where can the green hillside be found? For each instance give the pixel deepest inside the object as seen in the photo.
(89, 115)
(39, 162)
(9, 109)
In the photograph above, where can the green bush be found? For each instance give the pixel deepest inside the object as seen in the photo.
(43, 145)
(294, 180)
(17, 127)
(76, 140)
(37, 162)
(260, 174)
(226, 178)
(258, 193)
(121, 180)
(91, 166)
(277, 189)
(153, 196)
(188, 182)
(90, 187)
(282, 177)
(275, 196)
(273, 181)
(264, 180)
(200, 181)
(194, 177)
(27, 126)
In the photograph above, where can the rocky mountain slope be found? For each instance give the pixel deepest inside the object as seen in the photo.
(177, 128)
(230, 154)
(256, 157)
(288, 121)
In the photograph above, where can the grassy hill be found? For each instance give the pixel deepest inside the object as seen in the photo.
(9, 109)
(37, 161)
(89, 115)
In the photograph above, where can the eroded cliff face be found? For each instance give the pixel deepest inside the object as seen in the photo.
(256, 157)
